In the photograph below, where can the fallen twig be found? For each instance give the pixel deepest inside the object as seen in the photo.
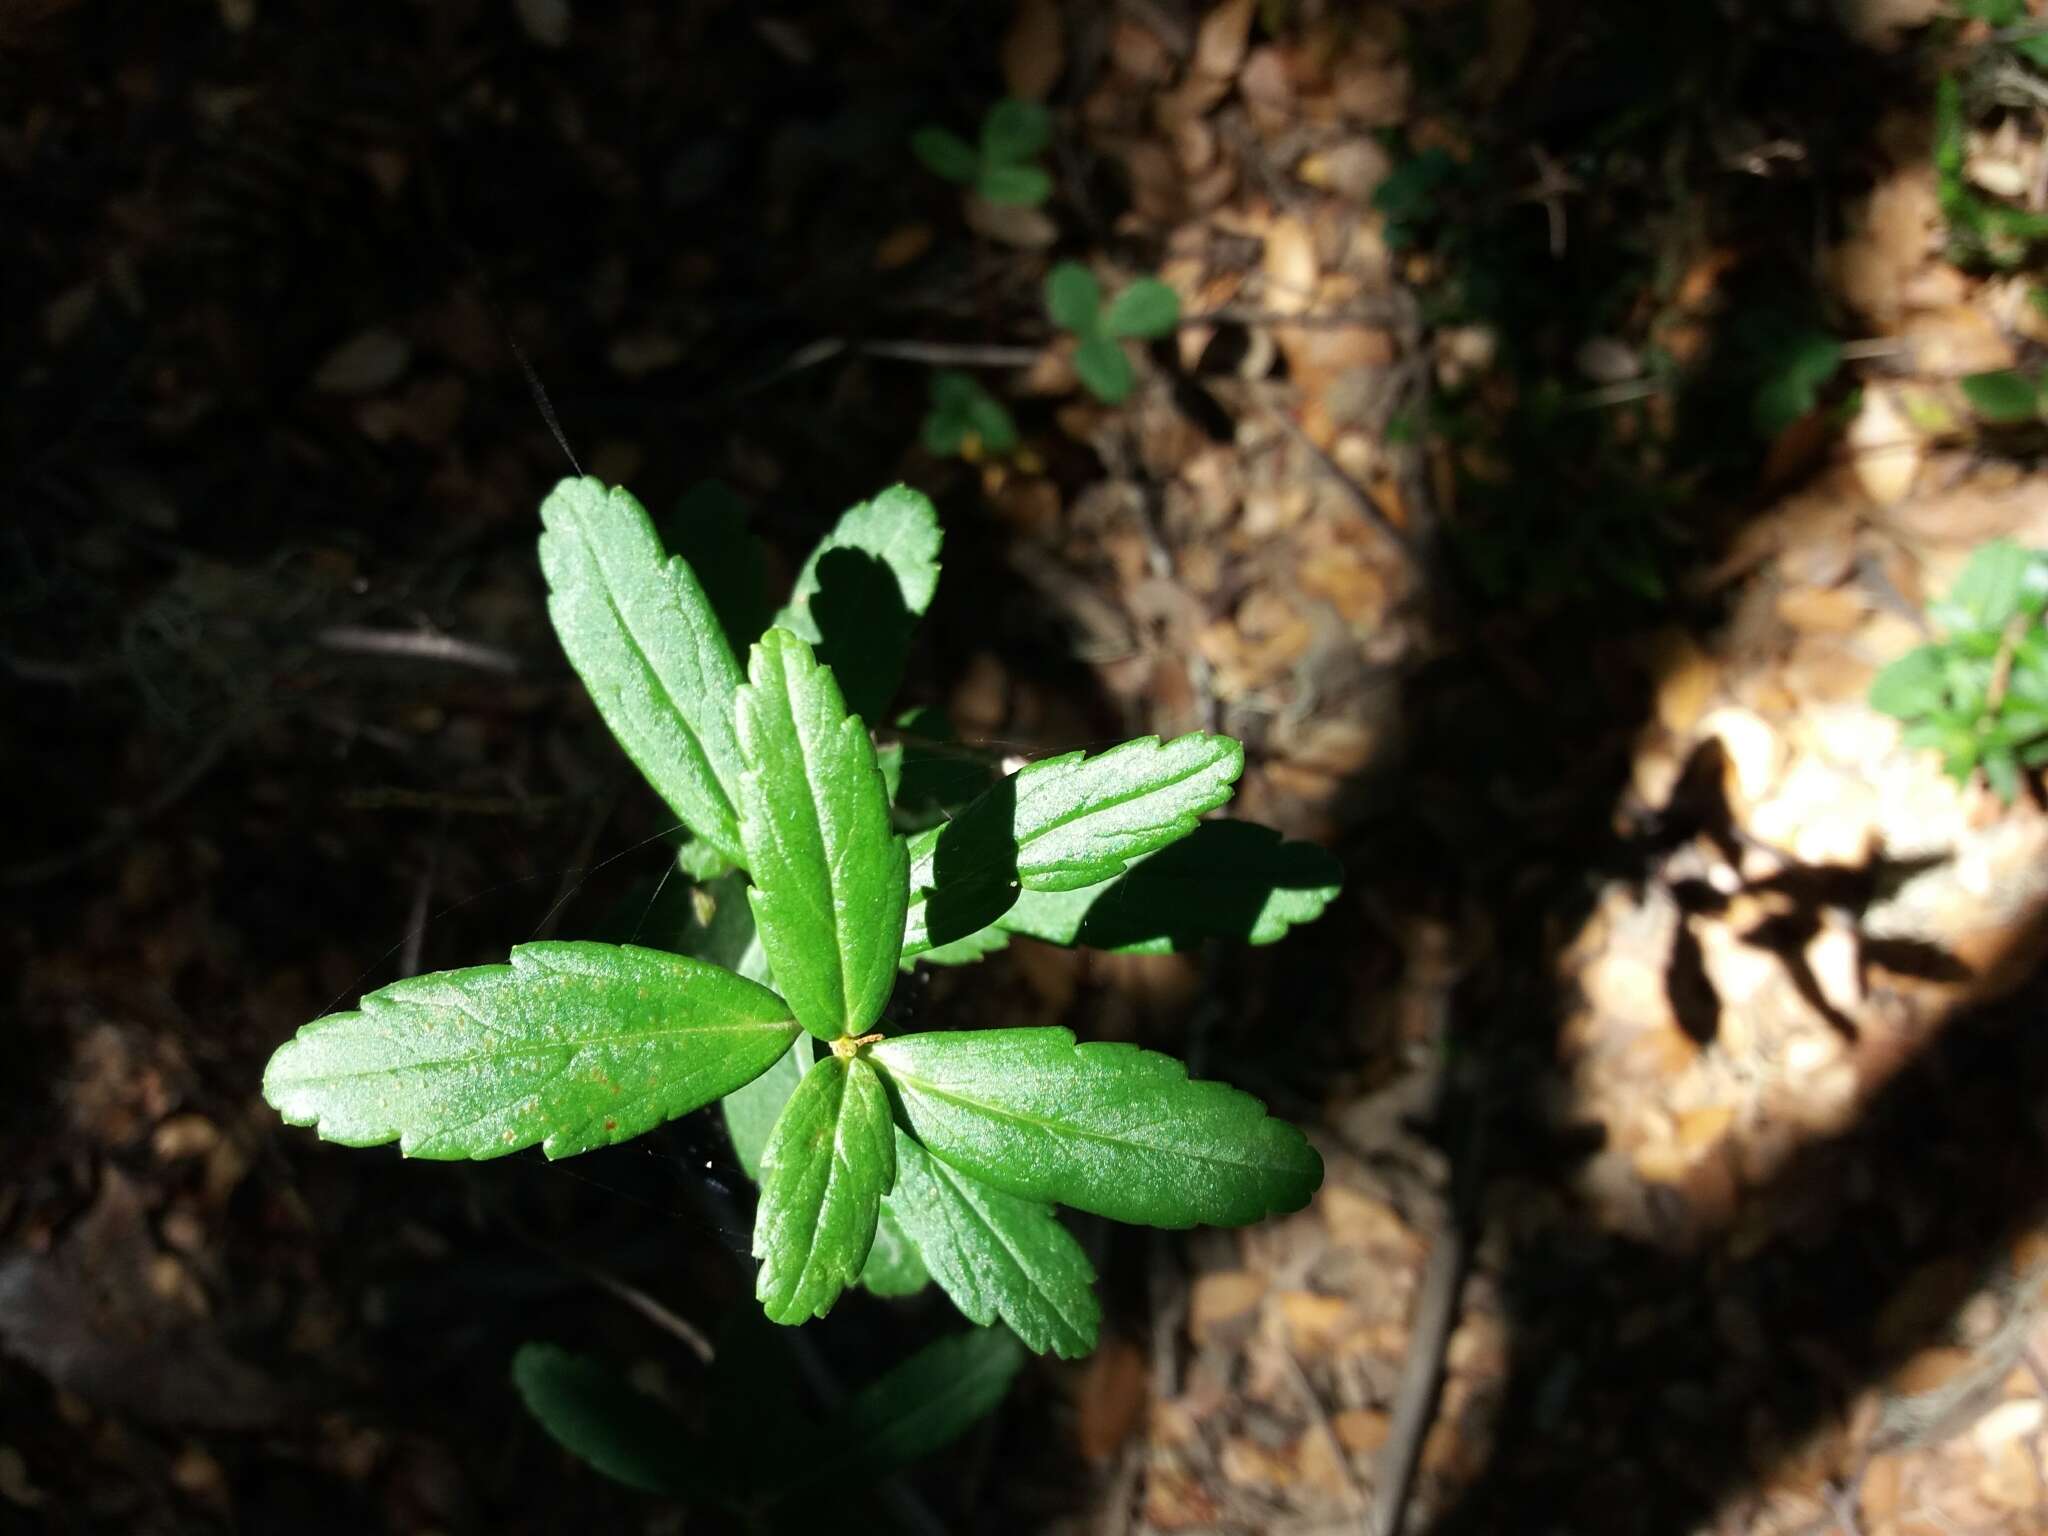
(422, 644)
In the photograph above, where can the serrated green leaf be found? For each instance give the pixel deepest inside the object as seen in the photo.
(595, 1414)
(572, 1045)
(1147, 308)
(1060, 824)
(997, 1256)
(860, 594)
(1073, 298)
(830, 876)
(1101, 364)
(1014, 185)
(2002, 397)
(1993, 587)
(1103, 1127)
(894, 1266)
(945, 153)
(751, 1112)
(1080, 819)
(829, 1161)
(921, 1406)
(1225, 880)
(971, 950)
(1014, 130)
(1912, 686)
(647, 643)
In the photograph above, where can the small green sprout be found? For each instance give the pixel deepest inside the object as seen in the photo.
(1001, 168)
(889, 1157)
(2005, 397)
(1979, 694)
(739, 1459)
(1073, 300)
(966, 420)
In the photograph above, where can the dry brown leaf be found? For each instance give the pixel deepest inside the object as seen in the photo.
(1249, 1464)
(1290, 266)
(1370, 88)
(1034, 50)
(1137, 53)
(901, 246)
(1361, 1429)
(1219, 1299)
(1314, 1322)
(1267, 90)
(1885, 451)
(1900, 227)
(1700, 1129)
(1111, 1397)
(1822, 610)
(1978, 504)
(1176, 1499)
(1012, 224)
(1754, 752)
(1221, 39)
(1352, 169)
(1158, 190)
(1357, 1220)
(1687, 680)
(1956, 340)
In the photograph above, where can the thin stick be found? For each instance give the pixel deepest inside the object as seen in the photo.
(420, 643)
(1421, 1375)
(1360, 497)
(671, 1323)
(959, 354)
(1319, 1423)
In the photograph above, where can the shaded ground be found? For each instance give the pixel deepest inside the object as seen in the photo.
(1506, 489)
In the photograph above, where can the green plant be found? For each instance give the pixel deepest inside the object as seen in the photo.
(1073, 301)
(1981, 229)
(967, 420)
(2005, 397)
(887, 1160)
(739, 1457)
(1978, 695)
(1001, 165)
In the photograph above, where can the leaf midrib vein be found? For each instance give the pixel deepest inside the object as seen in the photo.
(1065, 1128)
(572, 1046)
(691, 734)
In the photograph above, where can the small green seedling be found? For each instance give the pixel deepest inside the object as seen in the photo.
(1979, 694)
(2006, 397)
(966, 420)
(1002, 167)
(885, 1159)
(739, 1458)
(1073, 301)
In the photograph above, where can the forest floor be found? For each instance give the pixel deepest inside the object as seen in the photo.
(1565, 424)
